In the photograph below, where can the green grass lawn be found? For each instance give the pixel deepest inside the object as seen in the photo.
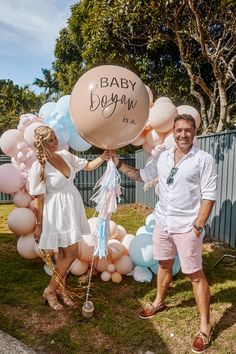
(115, 327)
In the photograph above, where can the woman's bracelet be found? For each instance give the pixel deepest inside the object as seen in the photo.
(120, 163)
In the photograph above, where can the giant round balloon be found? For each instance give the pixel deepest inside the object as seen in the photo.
(186, 109)
(109, 106)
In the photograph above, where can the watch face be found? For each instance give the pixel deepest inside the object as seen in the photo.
(199, 228)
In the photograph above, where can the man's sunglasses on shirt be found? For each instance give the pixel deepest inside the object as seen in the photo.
(170, 178)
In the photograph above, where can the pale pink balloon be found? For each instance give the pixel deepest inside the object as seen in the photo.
(21, 221)
(105, 276)
(25, 246)
(22, 199)
(162, 135)
(139, 141)
(115, 249)
(9, 141)
(150, 95)
(113, 229)
(101, 264)
(124, 264)
(78, 267)
(116, 277)
(29, 133)
(195, 142)
(93, 224)
(163, 99)
(162, 115)
(111, 268)
(186, 109)
(169, 141)
(109, 106)
(152, 138)
(147, 148)
(126, 242)
(121, 232)
(32, 204)
(11, 178)
(37, 250)
(86, 248)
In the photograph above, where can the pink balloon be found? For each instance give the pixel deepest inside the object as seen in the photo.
(37, 250)
(113, 230)
(32, 205)
(116, 277)
(111, 268)
(121, 233)
(163, 99)
(25, 246)
(11, 178)
(139, 141)
(169, 141)
(162, 115)
(150, 95)
(147, 148)
(105, 276)
(9, 141)
(78, 267)
(126, 242)
(109, 106)
(22, 199)
(101, 264)
(152, 138)
(185, 109)
(29, 133)
(86, 248)
(115, 249)
(124, 264)
(21, 221)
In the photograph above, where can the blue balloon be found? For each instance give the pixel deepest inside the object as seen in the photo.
(46, 110)
(141, 250)
(175, 269)
(142, 230)
(77, 143)
(150, 222)
(63, 105)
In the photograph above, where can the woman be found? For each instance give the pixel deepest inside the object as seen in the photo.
(60, 213)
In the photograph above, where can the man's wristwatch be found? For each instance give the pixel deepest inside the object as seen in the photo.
(198, 228)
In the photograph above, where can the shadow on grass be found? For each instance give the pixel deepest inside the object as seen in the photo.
(115, 328)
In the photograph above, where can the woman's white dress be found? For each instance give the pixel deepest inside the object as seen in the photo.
(64, 218)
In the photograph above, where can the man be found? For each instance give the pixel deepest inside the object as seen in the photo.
(187, 192)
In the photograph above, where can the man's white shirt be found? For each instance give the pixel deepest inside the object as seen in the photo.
(179, 203)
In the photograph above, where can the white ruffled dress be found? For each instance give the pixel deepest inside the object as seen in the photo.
(64, 218)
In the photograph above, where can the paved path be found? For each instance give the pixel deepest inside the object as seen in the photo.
(10, 345)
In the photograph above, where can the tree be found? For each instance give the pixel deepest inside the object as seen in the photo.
(48, 83)
(175, 46)
(15, 100)
(206, 36)
(94, 37)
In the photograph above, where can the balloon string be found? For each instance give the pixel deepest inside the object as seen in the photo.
(47, 259)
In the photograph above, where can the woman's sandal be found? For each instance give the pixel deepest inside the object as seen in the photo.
(52, 301)
(64, 296)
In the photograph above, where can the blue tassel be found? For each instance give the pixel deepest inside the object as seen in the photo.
(102, 236)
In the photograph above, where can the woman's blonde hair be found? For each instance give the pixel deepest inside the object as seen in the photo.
(41, 134)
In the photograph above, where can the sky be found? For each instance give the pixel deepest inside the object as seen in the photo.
(28, 32)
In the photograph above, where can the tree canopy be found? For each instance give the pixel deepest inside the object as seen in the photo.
(16, 100)
(183, 49)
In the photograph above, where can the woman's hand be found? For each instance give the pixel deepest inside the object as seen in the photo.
(106, 155)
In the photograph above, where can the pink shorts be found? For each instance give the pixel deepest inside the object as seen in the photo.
(188, 246)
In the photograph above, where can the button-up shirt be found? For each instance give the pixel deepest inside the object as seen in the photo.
(179, 203)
